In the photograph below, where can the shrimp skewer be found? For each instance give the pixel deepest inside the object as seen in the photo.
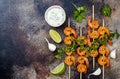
(68, 31)
(69, 66)
(83, 61)
(69, 60)
(94, 24)
(103, 60)
(93, 39)
(103, 55)
(78, 66)
(81, 35)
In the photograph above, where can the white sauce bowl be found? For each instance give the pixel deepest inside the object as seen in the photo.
(55, 16)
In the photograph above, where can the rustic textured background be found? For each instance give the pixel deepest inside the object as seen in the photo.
(23, 50)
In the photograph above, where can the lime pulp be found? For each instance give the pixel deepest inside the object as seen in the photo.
(58, 70)
(55, 36)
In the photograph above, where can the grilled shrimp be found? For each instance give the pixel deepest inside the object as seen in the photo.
(94, 53)
(70, 60)
(69, 53)
(107, 31)
(88, 41)
(70, 31)
(103, 60)
(82, 38)
(83, 60)
(82, 68)
(102, 30)
(104, 50)
(94, 24)
(94, 35)
(81, 53)
(68, 40)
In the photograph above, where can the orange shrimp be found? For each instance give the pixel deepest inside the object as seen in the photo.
(101, 30)
(68, 40)
(70, 60)
(94, 24)
(101, 36)
(82, 38)
(94, 53)
(83, 60)
(69, 53)
(88, 40)
(89, 21)
(82, 68)
(104, 50)
(103, 60)
(107, 31)
(70, 31)
(94, 35)
(110, 42)
(81, 53)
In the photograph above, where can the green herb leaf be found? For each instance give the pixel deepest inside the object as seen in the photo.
(106, 10)
(71, 47)
(104, 40)
(95, 44)
(112, 35)
(89, 49)
(58, 56)
(60, 52)
(79, 13)
(117, 34)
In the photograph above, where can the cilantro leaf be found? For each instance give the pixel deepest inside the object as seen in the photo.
(106, 10)
(117, 34)
(79, 13)
(60, 52)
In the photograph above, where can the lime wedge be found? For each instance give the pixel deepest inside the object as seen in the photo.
(55, 36)
(58, 70)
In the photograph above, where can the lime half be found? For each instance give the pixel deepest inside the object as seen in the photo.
(55, 36)
(58, 70)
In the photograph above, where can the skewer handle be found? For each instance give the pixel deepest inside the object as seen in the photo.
(80, 31)
(93, 63)
(93, 39)
(103, 23)
(80, 75)
(103, 72)
(68, 22)
(69, 71)
(93, 12)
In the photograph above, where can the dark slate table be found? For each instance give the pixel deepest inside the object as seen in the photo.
(22, 32)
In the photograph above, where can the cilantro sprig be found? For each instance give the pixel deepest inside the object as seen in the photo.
(60, 52)
(106, 10)
(79, 13)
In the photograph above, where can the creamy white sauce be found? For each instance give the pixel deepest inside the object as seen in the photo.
(55, 16)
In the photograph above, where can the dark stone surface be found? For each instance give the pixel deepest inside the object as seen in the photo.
(23, 28)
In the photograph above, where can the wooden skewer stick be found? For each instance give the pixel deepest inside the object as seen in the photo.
(81, 35)
(69, 71)
(93, 31)
(80, 75)
(68, 22)
(92, 12)
(103, 72)
(81, 31)
(103, 55)
(69, 66)
(103, 23)
(93, 63)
